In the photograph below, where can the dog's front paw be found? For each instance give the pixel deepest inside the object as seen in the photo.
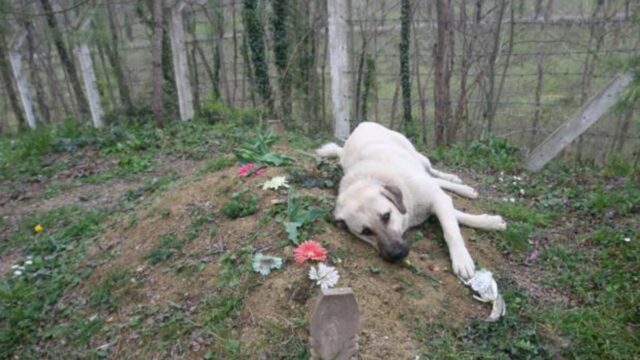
(469, 192)
(495, 222)
(462, 264)
(455, 179)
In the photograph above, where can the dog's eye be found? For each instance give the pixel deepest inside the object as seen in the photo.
(366, 232)
(385, 217)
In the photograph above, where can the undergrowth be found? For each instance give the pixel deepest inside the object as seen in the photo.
(574, 231)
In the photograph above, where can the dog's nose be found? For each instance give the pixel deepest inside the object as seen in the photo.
(396, 253)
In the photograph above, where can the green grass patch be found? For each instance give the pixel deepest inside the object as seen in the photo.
(217, 164)
(28, 302)
(169, 244)
(286, 342)
(493, 153)
(240, 204)
(149, 187)
(515, 336)
(116, 285)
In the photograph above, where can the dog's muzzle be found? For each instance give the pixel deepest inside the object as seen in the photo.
(392, 248)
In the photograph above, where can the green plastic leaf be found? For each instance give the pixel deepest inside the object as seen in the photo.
(291, 229)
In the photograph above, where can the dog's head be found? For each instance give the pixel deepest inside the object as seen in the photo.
(376, 214)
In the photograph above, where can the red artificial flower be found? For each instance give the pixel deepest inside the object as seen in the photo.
(246, 169)
(261, 171)
(309, 250)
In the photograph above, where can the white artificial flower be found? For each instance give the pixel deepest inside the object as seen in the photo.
(627, 239)
(522, 192)
(13, 267)
(275, 183)
(17, 273)
(325, 276)
(512, 200)
(28, 262)
(487, 289)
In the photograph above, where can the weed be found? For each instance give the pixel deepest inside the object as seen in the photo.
(285, 342)
(517, 211)
(622, 200)
(300, 214)
(328, 175)
(516, 239)
(148, 188)
(515, 336)
(491, 152)
(169, 244)
(27, 302)
(258, 150)
(70, 219)
(240, 204)
(116, 282)
(200, 216)
(219, 163)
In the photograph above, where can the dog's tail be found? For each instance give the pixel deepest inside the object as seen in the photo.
(329, 150)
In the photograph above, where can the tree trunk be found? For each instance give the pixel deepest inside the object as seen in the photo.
(596, 34)
(7, 82)
(538, 97)
(65, 58)
(102, 49)
(442, 97)
(255, 37)
(192, 57)
(490, 96)
(405, 74)
(114, 57)
(156, 55)
(41, 98)
(169, 87)
(280, 22)
(422, 99)
(339, 61)
(460, 114)
(235, 55)
(505, 68)
(360, 78)
(249, 74)
(55, 91)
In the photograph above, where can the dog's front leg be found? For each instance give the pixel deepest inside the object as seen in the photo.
(461, 262)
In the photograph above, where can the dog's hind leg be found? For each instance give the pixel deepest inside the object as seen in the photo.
(484, 221)
(460, 189)
(329, 150)
(437, 173)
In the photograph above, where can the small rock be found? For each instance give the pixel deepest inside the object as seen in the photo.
(397, 287)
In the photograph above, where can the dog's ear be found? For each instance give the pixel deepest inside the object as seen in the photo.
(394, 194)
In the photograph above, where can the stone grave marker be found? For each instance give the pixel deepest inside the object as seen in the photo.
(334, 325)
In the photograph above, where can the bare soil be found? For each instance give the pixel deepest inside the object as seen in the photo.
(394, 301)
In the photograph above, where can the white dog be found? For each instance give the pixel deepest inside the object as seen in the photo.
(389, 187)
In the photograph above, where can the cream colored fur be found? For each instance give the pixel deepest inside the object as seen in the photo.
(381, 167)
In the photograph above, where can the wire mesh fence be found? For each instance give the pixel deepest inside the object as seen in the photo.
(516, 69)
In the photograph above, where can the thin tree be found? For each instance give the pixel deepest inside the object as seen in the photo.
(113, 53)
(7, 80)
(280, 22)
(490, 90)
(156, 54)
(255, 38)
(405, 75)
(442, 97)
(65, 58)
